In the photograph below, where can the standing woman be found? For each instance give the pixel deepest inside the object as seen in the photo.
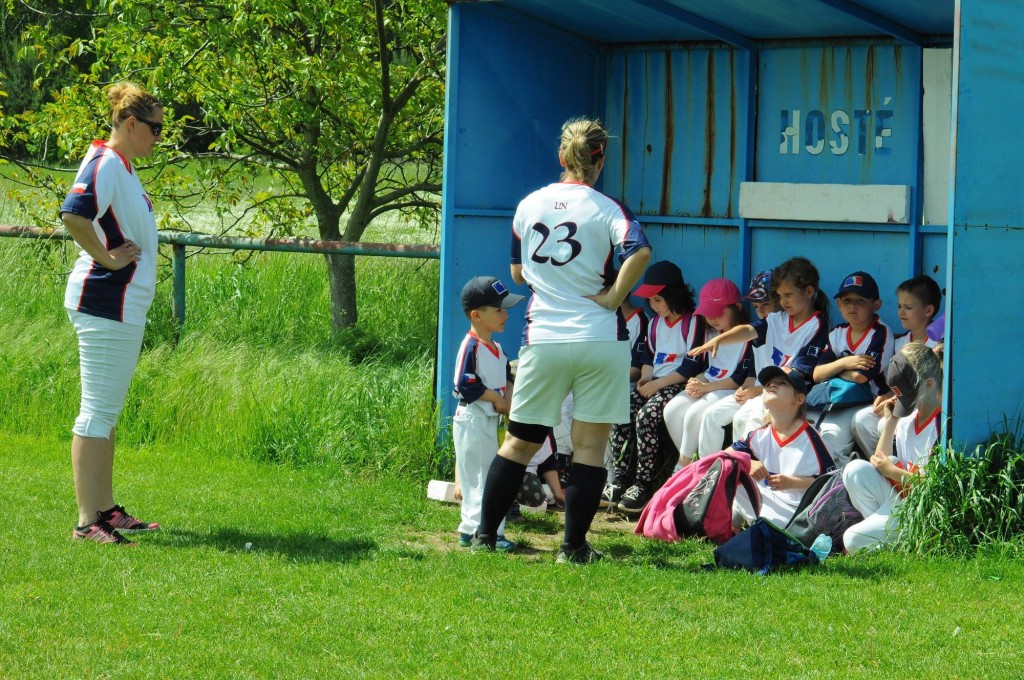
(564, 236)
(109, 293)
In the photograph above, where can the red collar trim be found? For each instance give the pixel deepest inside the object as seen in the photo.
(849, 335)
(793, 436)
(931, 418)
(494, 349)
(794, 329)
(127, 163)
(635, 312)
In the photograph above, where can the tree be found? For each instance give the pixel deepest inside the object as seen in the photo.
(337, 104)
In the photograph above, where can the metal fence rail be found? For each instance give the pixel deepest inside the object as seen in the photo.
(179, 240)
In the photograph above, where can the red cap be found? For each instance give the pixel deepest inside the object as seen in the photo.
(715, 296)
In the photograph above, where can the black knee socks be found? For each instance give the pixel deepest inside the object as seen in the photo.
(500, 487)
(582, 497)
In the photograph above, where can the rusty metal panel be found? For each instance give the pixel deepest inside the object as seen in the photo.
(678, 116)
(839, 114)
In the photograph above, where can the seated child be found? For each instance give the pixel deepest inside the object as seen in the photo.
(918, 302)
(787, 453)
(721, 414)
(911, 422)
(857, 356)
(719, 304)
(671, 333)
(483, 384)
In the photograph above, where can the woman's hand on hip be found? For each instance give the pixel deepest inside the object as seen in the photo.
(122, 256)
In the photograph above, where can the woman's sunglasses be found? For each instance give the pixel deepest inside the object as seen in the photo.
(156, 128)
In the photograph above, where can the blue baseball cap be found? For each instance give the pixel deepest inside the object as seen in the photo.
(760, 287)
(859, 283)
(794, 378)
(487, 291)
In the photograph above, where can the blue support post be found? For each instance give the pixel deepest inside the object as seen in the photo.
(178, 289)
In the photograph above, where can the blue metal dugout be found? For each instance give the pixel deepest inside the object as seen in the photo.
(868, 134)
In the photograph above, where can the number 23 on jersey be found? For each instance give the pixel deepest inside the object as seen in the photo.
(557, 245)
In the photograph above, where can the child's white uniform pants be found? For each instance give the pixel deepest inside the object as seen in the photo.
(876, 498)
(476, 444)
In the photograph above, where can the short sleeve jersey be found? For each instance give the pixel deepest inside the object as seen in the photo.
(668, 343)
(803, 454)
(636, 328)
(108, 192)
(904, 338)
(564, 236)
(914, 444)
(731, 361)
(792, 345)
(876, 343)
(479, 367)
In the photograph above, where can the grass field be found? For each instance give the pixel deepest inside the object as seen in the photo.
(261, 428)
(356, 576)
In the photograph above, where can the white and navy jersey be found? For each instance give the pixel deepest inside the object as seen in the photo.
(636, 328)
(803, 454)
(668, 343)
(904, 338)
(108, 192)
(732, 361)
(480, 366)
(792, 346)
(913, 444)
(564, 236)
(876, 343)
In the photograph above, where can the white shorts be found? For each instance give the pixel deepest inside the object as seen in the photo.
(108, 353)
(597, 374)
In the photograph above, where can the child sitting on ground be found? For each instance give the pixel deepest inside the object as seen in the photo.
(918, 301)
(911, 423)
(483, 385)
(787, 454)
(855, 361)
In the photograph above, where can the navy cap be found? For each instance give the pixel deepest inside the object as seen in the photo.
(760, 287)
(902, 379)
(657, 276)
(487, 291)
(794, 377)
(859, 283)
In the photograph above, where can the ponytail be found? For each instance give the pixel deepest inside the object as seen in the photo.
(822, 307)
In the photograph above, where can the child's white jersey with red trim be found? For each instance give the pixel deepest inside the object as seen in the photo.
(668, 343)
(480, 366)
(877, 343)
(904, 338)
(729, 362)
(802, 454)
(564, 236)
(914, 444)
(792, 346)
(108, 192)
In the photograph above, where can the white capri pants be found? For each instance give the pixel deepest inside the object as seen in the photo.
(713, 424)
(684, 416)
(108, 353)
(476, 444)
(877, 499)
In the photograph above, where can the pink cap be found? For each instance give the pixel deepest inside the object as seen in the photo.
(715, 296)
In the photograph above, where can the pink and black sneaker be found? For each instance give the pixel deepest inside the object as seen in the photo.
(99, 532)
(118, 518)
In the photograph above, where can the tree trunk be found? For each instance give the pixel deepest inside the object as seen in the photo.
(341, 273)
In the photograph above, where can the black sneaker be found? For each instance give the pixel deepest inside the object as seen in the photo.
(514, 515)
(635, 499)
(482, 543)
(585, 554)
(611, 495)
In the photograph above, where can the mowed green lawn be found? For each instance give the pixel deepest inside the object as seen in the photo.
(356, 577)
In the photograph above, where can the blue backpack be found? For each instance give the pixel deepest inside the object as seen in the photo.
(762, 547)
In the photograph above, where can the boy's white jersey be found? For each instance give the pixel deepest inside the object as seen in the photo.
(904, 338)
(876, 343)
(729, 362)
(478, 368)
(108, 192)
(668, 343)
(914, 445)
(803, 454)
(564, 236)
(792, 345)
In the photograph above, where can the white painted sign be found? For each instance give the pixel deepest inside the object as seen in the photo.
(869, 203)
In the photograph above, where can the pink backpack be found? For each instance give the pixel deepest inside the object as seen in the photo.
(697, 500)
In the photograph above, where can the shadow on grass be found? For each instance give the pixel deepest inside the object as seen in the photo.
(298, 547)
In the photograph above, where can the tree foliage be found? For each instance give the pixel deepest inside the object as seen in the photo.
(314, 110)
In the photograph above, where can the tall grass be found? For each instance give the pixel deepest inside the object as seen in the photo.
(969, 500)
(257, 373)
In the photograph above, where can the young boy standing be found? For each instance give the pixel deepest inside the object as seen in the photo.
(483, 385)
